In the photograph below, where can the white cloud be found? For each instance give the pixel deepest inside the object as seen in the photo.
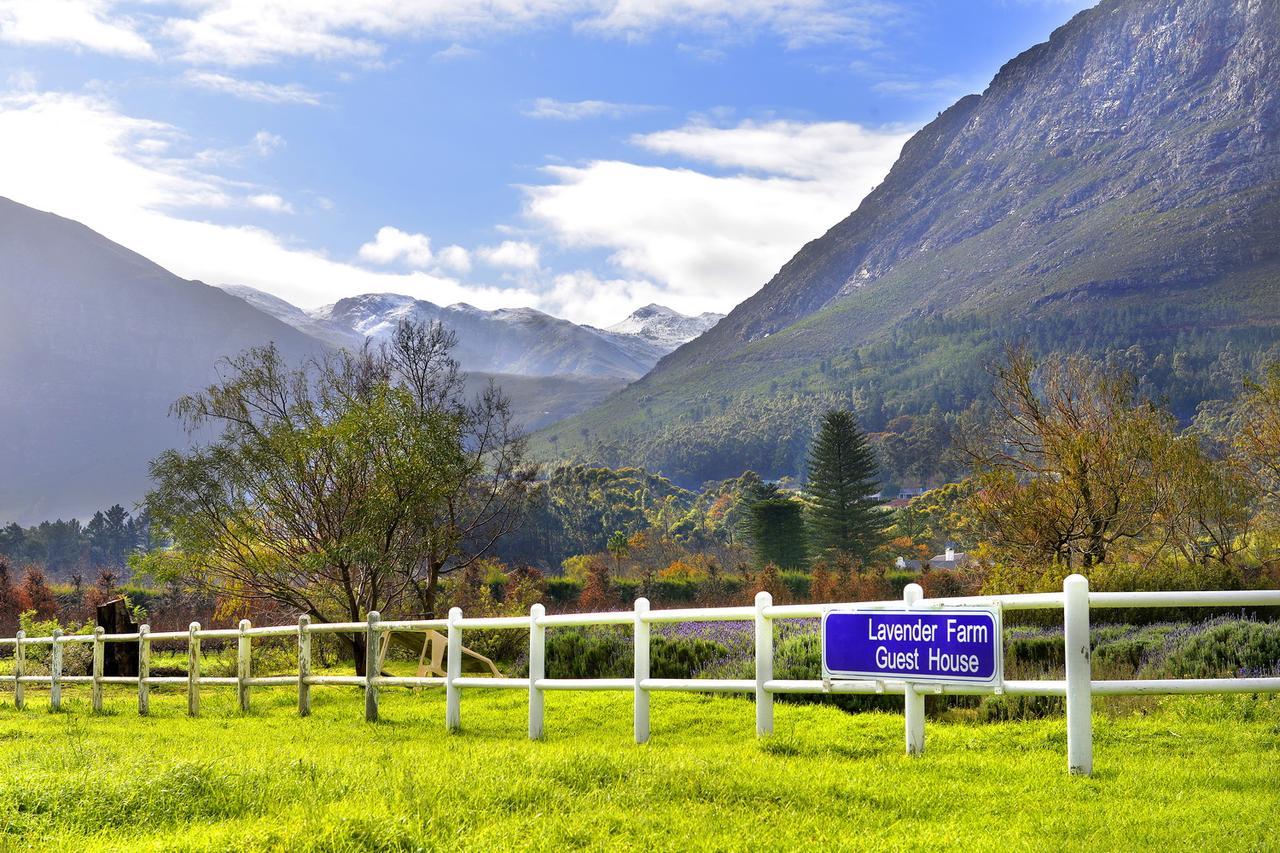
(815, 150)
(799, 23)
(270, 202)
(262, 144)
(80, 24)
(574, 110)
(599, 302)
(512, 254)
(709, 241)
(454, 258)
(77, 156)
(152, 145)
(253, 90)
(23, 81)
(940, 89)
(249, 32)
(455, 51)
(391, 245)
(265, 142)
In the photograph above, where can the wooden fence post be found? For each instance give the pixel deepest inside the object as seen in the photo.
(764, 665)
(144, 669)
(371, 669)
(193, 670)
(304, 665)
(243, 652)
(19, 670)
(99, 654)
(537, 669)
(55, 672)
(913, 701)
(1075, 618)
(641, 704)
(453, 669)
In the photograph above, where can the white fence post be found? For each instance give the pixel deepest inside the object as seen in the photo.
(453, 700)
(537, 669)
(99, 655)
(144, 670)
(764, 665)
(913, 701)
(19, 670)
(1075, 617)
(641, 671)
(243, 658)
(55, 672)
(193, 670)
(304, 665)
(371, 669)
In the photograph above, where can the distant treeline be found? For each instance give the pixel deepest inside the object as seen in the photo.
(63, 548)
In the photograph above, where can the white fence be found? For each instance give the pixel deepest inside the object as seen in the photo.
(1078, 687)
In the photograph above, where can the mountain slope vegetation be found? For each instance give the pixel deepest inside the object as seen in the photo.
(1115, 187)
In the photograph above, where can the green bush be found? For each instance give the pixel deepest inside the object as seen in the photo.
(682, 657)
(595, 652)
(799, 657)
(899, 578)
(563, 590)
(668, 591)
(797, 584)
(1237, 647)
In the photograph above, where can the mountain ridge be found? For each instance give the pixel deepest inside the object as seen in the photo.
(1124, 175)
(517, 341)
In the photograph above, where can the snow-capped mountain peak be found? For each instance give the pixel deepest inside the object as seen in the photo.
(664, 326)
(521, 341)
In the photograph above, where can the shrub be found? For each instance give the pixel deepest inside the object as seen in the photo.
(563, 590)
(1231, 648)
(671, 657)
(797, 585)
(608, 652)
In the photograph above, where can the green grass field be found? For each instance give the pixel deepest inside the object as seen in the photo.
(1188, 773)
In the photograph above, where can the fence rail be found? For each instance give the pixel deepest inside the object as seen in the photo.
(1078, 687)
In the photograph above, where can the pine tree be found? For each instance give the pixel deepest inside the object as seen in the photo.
(844, 518)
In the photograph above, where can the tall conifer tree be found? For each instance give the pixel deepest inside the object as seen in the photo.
(843, 517)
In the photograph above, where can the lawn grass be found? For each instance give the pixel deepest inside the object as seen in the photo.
(1195, 773)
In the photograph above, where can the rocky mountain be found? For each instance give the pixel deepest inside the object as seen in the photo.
(510, 341)
(1116, 186)
(664, 327)
(95, 343)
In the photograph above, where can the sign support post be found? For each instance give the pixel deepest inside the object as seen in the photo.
(913, 700)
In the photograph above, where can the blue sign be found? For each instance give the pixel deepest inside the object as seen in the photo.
(959, 644)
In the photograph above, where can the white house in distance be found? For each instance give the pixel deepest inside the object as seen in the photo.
(949, 559)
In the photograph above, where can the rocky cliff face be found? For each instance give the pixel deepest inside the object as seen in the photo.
(1137, 148)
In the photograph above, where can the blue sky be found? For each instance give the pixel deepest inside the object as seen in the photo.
(584, 157)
